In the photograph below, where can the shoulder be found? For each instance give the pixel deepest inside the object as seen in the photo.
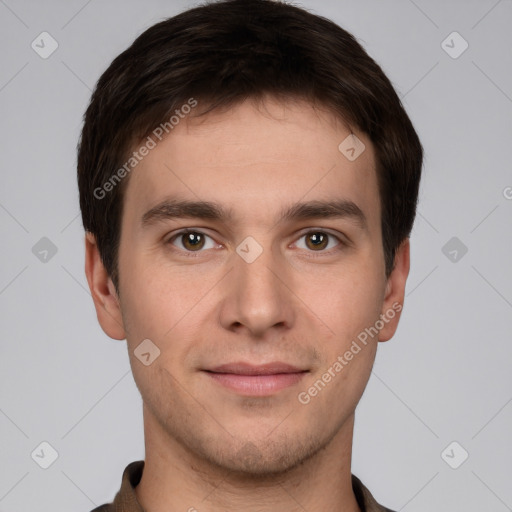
(125, 499)
(364, 497)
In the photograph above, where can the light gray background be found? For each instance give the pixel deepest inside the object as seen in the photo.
(444, 377)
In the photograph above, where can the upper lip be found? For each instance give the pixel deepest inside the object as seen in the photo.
(241, 368)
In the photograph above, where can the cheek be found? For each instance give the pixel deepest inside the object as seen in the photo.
(346, 301)
(333, 392)
(158, 296)
(168, 305)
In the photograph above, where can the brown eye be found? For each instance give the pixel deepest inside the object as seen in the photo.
(192, 241)
(317, 240)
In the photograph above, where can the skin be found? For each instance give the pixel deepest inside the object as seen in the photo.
(208, 447)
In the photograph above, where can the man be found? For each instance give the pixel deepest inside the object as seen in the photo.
(248, 184)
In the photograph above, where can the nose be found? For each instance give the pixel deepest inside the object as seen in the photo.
(258, 297)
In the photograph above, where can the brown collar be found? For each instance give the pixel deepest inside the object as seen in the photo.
(126, 499)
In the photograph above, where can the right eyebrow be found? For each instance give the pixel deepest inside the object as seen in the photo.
(171, 209)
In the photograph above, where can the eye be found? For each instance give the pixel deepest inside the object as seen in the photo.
(318, 241)
(192, 241)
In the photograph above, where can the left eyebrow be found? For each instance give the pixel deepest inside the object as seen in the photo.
(172, 209)
(338, 209)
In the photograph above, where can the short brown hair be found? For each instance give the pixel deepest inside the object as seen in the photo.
(222, 53)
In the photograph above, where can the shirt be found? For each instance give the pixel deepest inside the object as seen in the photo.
(126, 500)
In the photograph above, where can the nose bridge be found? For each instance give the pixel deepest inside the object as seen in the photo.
(259, 298)
(256, 272)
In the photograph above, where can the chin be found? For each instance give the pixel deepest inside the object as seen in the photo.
(264, 458)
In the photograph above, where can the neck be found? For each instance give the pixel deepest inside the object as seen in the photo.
(176, 480)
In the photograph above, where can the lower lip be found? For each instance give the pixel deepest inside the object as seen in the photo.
(257, 385)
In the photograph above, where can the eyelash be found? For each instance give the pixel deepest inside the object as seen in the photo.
(341, 244)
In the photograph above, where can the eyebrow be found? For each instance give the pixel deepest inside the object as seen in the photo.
(173, 209)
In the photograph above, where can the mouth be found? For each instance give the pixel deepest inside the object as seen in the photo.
(261, 380)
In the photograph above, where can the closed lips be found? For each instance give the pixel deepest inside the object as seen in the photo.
(241, 368)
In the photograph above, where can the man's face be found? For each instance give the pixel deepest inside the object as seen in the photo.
(254, 287)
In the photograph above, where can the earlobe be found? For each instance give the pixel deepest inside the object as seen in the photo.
(395, 292)
(104, 295)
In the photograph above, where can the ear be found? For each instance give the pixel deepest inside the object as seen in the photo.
(103, 292)
(395, 292)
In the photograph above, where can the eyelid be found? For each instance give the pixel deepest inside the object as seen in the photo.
(343, 242)
(176, 234)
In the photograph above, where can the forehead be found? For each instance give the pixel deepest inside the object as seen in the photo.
(254, 159)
